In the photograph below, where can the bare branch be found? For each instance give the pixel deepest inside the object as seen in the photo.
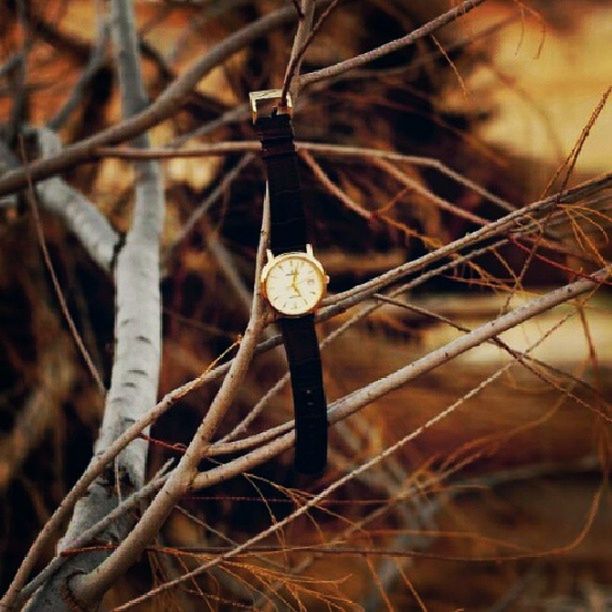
(57, 287)
(585, 190)
(79, 214)
(163, 107)
(236, 114)
(135, 373)
(306, 14)
(89, 587)
(95, 61)
(131, 502)
(362, 397)
(19, 86)
(298, 8)
(332, 188)
(56, 377)
(215, 194)
(495, 228)
(349, 404)
(394, 45)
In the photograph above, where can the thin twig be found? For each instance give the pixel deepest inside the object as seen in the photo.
(426, 30)
(519, 356)
(303, 40)
(162, 108)
(332, 188)
(96, 468)
(486, 331)
(200, 210)
(56, 285)
(332, 150)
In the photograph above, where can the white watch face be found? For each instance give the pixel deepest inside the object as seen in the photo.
(294, 285)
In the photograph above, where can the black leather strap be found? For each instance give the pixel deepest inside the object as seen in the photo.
(288, 234)
(287, 221)
(309, 401)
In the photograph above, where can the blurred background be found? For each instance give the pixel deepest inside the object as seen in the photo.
(501, 97)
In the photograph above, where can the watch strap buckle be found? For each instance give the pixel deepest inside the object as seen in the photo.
(266, 102)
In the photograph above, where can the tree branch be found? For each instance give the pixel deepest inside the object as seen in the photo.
(136, 364)
(79, 214)
(163, 107)
(128, 504)
(349, 404)
(95, 61)
(90, 586)
(97, 466)
(292, 72)
(426, 30)
(360, 398)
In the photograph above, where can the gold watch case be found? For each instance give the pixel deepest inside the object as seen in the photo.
(308, 256)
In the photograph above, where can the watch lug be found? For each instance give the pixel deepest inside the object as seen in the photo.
(269, 255)
(309, 250)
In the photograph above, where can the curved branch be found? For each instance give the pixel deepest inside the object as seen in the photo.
(163, 107)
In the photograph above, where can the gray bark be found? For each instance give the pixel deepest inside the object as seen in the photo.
(136, 363)
(79, 214)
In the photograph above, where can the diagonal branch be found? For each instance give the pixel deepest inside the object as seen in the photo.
(135, 371)
(575, 194)
(163, 107)
(358, 399)
(353, 402)
(426, 30)
(292, 73)
(130, 503)
(80, 215)
(89, 587)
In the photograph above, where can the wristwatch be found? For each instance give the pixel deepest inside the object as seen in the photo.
(293, 280)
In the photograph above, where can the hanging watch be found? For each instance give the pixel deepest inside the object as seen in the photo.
(293, 280)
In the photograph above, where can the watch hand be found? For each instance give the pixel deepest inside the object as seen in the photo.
(294, 284)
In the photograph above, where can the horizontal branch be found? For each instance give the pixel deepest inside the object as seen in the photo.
(166, 105)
